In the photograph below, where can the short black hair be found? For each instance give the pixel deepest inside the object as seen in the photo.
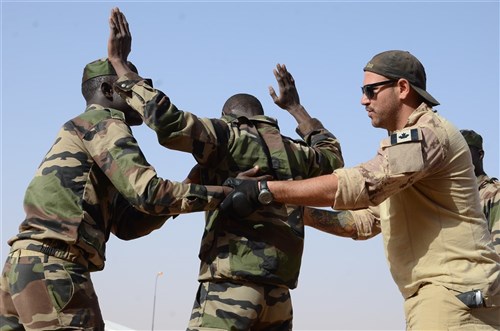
(243, 104)
(90, 86)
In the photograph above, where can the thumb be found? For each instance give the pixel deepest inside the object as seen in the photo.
(272, 93)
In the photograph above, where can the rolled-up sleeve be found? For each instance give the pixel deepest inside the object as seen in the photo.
(397, 165)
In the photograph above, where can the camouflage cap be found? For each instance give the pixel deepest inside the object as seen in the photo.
(402, 64)
(473, 138)
(101, 67)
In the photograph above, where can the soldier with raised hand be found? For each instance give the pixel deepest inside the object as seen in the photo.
(489, 187)
(435, 235)
(248, 263)
(93, 181)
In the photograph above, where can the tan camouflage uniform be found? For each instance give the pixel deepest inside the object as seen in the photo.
(247, 266)
(83, 191)
(489, 195)
(422, 178)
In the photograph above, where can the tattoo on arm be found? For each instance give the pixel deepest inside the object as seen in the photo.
(328, 221)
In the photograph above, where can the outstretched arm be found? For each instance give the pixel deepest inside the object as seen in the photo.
(289, 97)
(329, 221)
(356, 224)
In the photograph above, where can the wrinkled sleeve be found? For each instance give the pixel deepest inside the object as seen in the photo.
(116, 152)
(323, 149)
(367, 222)
(175, 129)
(395, 167)
(128, 223)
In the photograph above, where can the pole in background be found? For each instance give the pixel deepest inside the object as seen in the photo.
(159, 274)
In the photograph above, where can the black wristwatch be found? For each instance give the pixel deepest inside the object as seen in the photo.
(265, 196)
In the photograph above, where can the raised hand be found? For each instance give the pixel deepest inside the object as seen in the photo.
(119, 42)
(289, 97)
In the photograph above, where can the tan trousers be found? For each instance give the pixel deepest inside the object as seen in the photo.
(435, 307)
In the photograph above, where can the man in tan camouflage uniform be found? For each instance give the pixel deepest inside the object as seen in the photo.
(86, 188)
(435, 235)
(489, 188)
(248, 264)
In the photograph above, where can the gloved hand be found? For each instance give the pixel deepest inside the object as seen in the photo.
(243, 200)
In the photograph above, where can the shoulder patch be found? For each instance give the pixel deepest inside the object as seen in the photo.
(405, 136)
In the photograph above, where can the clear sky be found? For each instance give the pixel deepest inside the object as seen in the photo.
(200, 53)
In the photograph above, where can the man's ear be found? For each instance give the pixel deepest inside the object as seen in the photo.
(107, 90)
(481, 154)
(404, 87)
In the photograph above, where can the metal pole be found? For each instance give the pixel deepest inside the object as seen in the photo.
(154, 300)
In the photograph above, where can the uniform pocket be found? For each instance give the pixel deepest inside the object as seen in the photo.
(59, 284)
(252, 259)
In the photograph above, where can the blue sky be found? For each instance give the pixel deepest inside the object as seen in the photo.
(200, 53)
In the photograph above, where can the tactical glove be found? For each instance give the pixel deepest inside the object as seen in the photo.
(243, 200)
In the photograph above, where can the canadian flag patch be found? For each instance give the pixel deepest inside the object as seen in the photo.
(405, 136)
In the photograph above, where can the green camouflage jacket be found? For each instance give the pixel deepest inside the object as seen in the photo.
(267, 246)
(84, 186)
(489, 194)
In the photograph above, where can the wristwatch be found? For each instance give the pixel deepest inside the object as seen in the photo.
(265, 196)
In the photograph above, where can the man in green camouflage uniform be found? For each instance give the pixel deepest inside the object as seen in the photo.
(248, 264)
(421, 187)
(489, 188)
(84, 190)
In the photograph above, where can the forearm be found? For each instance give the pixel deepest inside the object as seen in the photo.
(331, 222)
(359, 224)
(318, 191)
(299, 113)
(120, 65)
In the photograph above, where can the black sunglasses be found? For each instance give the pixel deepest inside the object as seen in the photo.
(369, 89)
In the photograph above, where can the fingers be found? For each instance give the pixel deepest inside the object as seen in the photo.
(285, 76)
(276, 74)
(118, 23)
(272, 93)
(282, 75)
(120, 18)
(125, 23)
(250, 172)
(112, 19)
(263, 177)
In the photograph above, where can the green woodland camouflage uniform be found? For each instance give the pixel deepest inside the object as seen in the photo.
(489, 191)
(247, 265)
(489, 194)
(82, 192)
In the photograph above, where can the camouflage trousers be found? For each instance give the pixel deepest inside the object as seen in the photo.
(42, 292)
(240, 307)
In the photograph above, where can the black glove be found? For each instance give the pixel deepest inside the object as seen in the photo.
(232, 182)
(243, 200)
